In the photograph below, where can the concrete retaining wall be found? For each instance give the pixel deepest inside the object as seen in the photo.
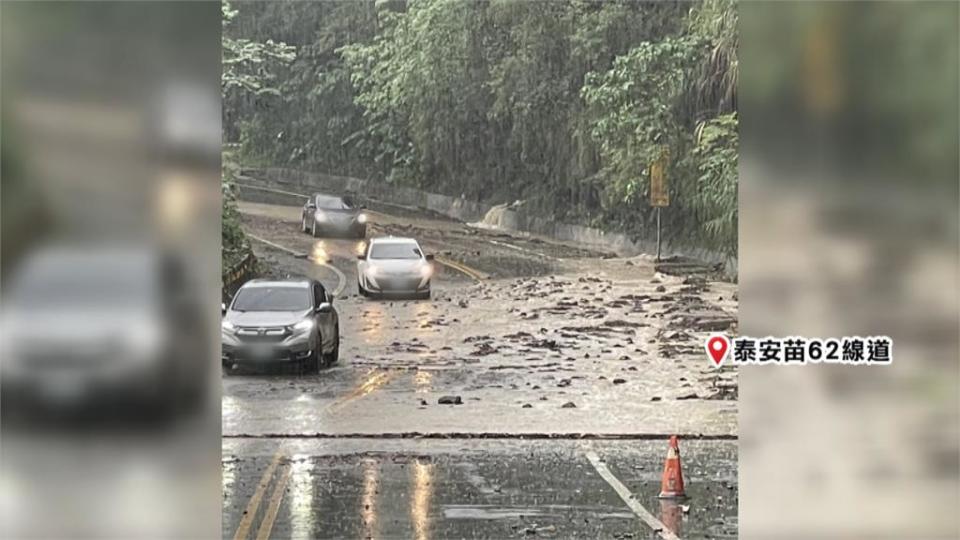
(473, 212)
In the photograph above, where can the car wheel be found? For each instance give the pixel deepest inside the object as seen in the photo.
(303, 226)
(312, 363)
(334, 355)
(360, 290)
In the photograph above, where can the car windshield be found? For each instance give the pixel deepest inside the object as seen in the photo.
(395, 251)
(334, 203)
(80, 283)
(272, 299)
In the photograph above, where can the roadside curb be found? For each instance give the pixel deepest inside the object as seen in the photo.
(484, 435)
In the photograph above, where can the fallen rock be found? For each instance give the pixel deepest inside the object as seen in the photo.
(450, 400)
(527, 406)
(569, 405)
(619, 381)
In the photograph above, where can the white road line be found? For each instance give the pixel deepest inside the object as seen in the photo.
(295, 253)
(628, 498)
(248, 186)
(523, 250)
(341, 278)
(342, 284)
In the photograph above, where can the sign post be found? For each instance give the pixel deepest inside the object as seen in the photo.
(659, 191)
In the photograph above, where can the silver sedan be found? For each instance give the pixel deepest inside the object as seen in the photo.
(394, 267)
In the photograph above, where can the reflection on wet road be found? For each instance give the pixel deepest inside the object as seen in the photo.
(419, 430)
(474, 489)
(374, 380)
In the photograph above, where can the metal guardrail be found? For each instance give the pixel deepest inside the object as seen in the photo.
(236, 276)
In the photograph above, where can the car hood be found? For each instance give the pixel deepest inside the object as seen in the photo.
(265, 318)
(397, 266)
(66, 327)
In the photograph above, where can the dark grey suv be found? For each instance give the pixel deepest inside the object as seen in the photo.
(274, 323)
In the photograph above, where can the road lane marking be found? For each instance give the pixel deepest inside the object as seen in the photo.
(523, 250)
(251, 511)
(249, 186)
(628, 498)
(266, 525)
(295, 253)
(341, 278)
(462, 268)
(374, 381)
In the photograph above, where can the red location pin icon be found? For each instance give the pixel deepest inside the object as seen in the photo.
(717, 346)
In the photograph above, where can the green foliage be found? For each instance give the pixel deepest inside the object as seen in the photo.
(247, 63)
(674, 95)
(233, 244)
(248, 72)
(562, 103)
(715, 197)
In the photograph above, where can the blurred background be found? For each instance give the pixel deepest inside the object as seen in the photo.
(110, 165)
(848, 226)
(110, 269)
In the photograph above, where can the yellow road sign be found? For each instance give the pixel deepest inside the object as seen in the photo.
(659, 190)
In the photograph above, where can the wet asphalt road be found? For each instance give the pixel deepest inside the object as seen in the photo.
(375, 488)
(538, 340)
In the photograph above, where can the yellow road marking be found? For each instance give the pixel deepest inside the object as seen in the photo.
(266, 526)
(460, 267)
(375, 380)
(251, 511)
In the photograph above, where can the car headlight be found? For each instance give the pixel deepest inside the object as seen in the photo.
(362, 218)
(320, 215)
(228, 327)
(426, 270)
(303, 325)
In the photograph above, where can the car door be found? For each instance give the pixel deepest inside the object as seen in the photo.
(325, 321)
(308, 209)
(362, 262)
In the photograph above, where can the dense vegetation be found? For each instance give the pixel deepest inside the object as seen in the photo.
(247, 74)
(563, 104)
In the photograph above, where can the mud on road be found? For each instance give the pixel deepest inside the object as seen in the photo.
(619, 342)
(523, 338)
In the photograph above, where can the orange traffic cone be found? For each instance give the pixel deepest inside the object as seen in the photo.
(671, 484)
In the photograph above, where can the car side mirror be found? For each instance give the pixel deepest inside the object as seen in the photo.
(325, 307)
(362, 257)
(429, 256)
(223, 308)
(311, 206)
